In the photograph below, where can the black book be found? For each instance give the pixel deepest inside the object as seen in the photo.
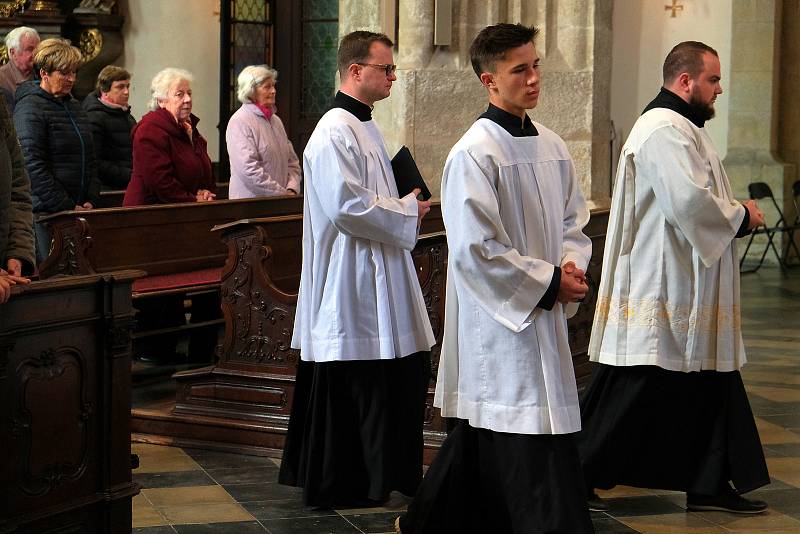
(407, 175)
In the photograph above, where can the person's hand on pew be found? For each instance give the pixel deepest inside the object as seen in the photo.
(84, 206)
(204, 195)
(6, 282)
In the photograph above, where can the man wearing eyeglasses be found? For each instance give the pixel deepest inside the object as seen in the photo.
(355, 432)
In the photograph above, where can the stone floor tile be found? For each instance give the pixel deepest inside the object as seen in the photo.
(240, 527)
(646, 505)
(785, 469)
(174, 479)
(375, 523)
(311, 525)
(769, 520)
(286, 509)
(608, 525)
(271, 491)
(770, 433)
(776, 394)
(224, 460)
(245, 475)
(184, 496)
(144, 513)
(203, 513)
(157, 459)
(624, 491)
(671, 523)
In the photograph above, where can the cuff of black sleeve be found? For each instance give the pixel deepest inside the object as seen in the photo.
(548, 300)
(27, 267)
(743, 230)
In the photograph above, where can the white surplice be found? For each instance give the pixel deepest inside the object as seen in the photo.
(669, 294)
(360, 297)
(513, 211)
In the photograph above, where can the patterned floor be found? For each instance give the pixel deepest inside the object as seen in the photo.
(193, 491)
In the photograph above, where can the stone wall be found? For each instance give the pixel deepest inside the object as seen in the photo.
(789, 111)
(754, 110)
(437, 96)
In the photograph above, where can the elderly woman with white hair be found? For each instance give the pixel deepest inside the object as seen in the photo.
(170, 157)
(263, 162)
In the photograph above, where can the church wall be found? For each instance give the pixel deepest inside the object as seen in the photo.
(160, 34)
(437, 95)
(788, 110)
(644, 33)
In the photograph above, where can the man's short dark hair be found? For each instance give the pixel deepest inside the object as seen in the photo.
(354, 48)
(686, 57)
(109, 75)
(493, 42)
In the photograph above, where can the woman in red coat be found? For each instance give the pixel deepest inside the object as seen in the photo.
(170, 157)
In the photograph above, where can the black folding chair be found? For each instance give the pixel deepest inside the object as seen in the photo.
(760, 191)
(795, 226)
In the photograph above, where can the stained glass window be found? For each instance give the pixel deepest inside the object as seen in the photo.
(320, 41)
(251, 39)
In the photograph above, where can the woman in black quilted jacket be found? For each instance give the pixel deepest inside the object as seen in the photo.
(112, 121)
(56, 137)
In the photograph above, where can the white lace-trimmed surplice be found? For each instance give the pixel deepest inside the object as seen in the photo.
(513, 210)
(359, 297)
(669, 294)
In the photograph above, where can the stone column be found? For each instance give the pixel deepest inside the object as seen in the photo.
(753, 116)
(437, 95)
(789, 116)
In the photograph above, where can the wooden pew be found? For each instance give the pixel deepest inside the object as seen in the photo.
(171, 242)
(65, 398)
(243, 402)
(113, 199)
(164, 239)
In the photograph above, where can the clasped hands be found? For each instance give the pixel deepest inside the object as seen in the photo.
(204, 195)
(573, 286)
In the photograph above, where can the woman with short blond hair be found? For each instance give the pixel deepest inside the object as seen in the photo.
(56, 137)
(263, 162)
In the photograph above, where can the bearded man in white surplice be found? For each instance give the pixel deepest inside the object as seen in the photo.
(514, 216)
(355, 431)
(666, 407)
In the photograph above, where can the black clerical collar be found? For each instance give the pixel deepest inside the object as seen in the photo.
(668, 99)
(362, 111)
(510, 122)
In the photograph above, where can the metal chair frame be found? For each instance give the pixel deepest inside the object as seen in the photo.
(760, 191)
(795, 226)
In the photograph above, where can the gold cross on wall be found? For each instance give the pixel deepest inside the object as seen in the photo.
(675, 7)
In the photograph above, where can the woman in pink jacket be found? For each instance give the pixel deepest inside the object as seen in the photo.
(263, 162)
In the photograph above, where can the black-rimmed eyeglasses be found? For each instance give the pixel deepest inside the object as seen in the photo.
(388, 69)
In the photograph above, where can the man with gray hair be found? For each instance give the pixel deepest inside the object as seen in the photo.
(20, 43)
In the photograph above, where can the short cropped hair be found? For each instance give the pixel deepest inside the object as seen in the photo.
(109, 75)
(56, 54)
(354, 48)
(493, 42)
(14, 37)
(686, 57)
(163, 81)
(250, 78)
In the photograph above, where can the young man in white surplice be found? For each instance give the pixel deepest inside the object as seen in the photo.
(355, 432)
(514, 216)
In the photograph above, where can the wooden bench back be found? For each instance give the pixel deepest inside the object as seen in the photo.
(159, 239)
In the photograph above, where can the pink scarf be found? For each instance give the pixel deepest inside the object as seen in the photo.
(267, 111)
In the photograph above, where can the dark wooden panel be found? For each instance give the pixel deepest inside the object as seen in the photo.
(243, 402)
(65, 405)
(161, 239)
